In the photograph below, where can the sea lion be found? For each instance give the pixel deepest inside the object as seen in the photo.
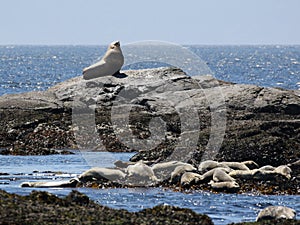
(110, 64)
(52, 184)
(98, 173)
(275, 213)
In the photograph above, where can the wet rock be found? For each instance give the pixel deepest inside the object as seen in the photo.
(77, 208)
(276, 213)
(295, 167)
(270, 222)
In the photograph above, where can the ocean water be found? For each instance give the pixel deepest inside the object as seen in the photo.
(28, 68)
(222, 208)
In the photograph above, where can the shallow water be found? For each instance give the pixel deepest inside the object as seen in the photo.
(222, 208)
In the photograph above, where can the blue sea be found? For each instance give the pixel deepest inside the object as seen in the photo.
(28, 68)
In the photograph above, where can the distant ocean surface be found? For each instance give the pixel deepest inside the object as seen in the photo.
(27, 68)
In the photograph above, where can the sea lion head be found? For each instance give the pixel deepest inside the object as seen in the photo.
(114, 45)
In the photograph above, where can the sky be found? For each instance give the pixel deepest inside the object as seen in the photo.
(99, 22)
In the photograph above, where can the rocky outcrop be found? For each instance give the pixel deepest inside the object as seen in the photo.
(77, 208)
(159, 113)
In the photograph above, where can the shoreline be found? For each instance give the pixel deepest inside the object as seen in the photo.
(77, 208)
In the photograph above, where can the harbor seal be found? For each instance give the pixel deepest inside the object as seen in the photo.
(140, 171)
(284, 170)
(209, 174)
(98, 173)
(221, 176)
(110, 64)
(275, 213)
(234, 165)
(167, 166)
(189, 178)
(243, 174)
(52, 184)
(207, 165)
(267, 168)
(124, 164)
(179, 170)
(229, 186)
(279, 174)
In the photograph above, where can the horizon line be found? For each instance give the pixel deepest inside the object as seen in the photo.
(184, 44)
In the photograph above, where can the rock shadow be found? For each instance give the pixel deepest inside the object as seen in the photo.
(120, 75)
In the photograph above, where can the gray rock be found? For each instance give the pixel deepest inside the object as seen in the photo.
(161, 113)
(275, 213)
